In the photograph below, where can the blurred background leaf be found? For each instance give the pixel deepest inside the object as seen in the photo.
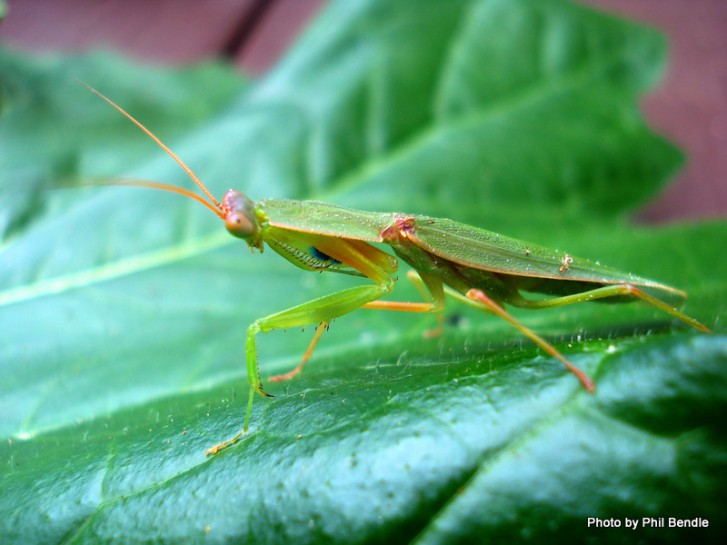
(123, 311)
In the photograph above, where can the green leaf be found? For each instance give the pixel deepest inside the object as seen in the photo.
(123, 311)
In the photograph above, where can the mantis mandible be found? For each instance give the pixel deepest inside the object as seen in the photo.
(482, 269)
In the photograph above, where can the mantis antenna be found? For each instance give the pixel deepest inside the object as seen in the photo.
(214, 205)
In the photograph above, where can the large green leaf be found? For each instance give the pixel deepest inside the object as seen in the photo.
(123, 311)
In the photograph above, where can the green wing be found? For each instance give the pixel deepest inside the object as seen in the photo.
(451, 240)
(493, 252)
(325, 219)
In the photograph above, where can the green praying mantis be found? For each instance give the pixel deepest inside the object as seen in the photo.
(482, 269)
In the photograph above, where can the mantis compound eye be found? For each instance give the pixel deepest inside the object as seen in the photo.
(239, 225)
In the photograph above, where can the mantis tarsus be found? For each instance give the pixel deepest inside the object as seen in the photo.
(482, 269)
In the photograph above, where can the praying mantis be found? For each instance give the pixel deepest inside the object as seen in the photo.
(479, 268)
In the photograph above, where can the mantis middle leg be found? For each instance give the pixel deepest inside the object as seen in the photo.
(316, 311)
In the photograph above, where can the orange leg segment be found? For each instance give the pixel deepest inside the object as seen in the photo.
(479, 296)
(323, 326)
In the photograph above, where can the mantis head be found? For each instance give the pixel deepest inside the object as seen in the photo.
(240, 219)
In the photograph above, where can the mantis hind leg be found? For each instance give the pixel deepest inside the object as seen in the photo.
(482, 300)
(431, 287)
(615, 290)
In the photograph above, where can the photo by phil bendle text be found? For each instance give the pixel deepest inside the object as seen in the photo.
(482, 269)
(647, 522)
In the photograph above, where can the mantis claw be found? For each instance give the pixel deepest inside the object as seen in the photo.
(213, 451)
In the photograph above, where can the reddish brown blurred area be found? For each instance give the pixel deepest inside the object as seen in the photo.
(689, 106)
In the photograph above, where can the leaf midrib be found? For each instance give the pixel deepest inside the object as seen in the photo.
(115, 269)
